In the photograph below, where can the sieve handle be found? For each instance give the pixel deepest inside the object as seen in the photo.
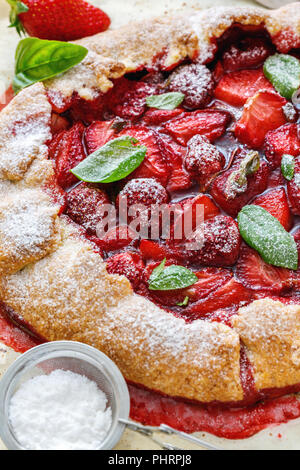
(149, 430)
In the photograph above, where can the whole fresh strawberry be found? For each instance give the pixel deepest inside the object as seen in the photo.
(62, 20)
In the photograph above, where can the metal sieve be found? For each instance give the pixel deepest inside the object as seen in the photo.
(75, 357)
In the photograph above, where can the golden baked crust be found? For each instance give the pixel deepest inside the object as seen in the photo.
(271, 332)
(69, 295)
(29, 229)
(162, 43)
(23, 136)
(60, 286)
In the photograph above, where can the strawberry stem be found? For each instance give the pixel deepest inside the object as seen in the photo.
(17, 7)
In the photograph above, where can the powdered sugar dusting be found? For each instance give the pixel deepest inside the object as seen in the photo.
(60, 411)
(195, 82)
(28, 228)
(271, 332)
(144, 191)
(23, 134)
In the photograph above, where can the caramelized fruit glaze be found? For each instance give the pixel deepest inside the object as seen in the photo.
(79, 128)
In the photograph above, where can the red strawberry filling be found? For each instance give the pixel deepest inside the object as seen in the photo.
(256, 274)
(126, 264)
(275, 202)
(195, 81)
(208, 123)
(284, 140)
(202, 159)
(232, 196)
(250, 52)
(262, 113)
(293, 189)
(236, 87)
(98, 134)
(129, 98)
(217, 151)
(85, 206)
(154, 164)
(67, 150)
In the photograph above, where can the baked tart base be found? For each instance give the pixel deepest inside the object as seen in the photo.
(55, 275)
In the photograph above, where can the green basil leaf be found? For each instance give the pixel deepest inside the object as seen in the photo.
(112, 162)
(165, 101)
(172, 277)
(157, 271)
(37, 60)
(283, 71)
(288, 166)
(265, 234)
(184, 303)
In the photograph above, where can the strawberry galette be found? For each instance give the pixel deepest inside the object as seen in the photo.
(199, 113)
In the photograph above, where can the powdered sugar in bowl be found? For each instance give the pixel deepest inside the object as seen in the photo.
(75, 365)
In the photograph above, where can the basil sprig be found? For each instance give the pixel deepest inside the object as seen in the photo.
(283, 71)
(37, 60)
(167, 101)
(112, 162)
(288, 166)
(171, 277)
(265, 234)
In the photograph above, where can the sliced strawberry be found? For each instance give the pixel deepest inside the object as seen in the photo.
(58, 101)
(155, 117)
(210, 279)
(276, 178)
(296, 236)
(151, 250)
(67, 150)
(127, 264)
(275, 202)
(84, 206)
(236, 87)
(231, 201)
(116, 238)
(262, 113)
(209, 123)
(174, 155)
(256, 274)
(293, 189)
(194, 212)
(249, 53)
(229, 294)
(128, 98)
(98, 134)
(283, 140)
(154, 164)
